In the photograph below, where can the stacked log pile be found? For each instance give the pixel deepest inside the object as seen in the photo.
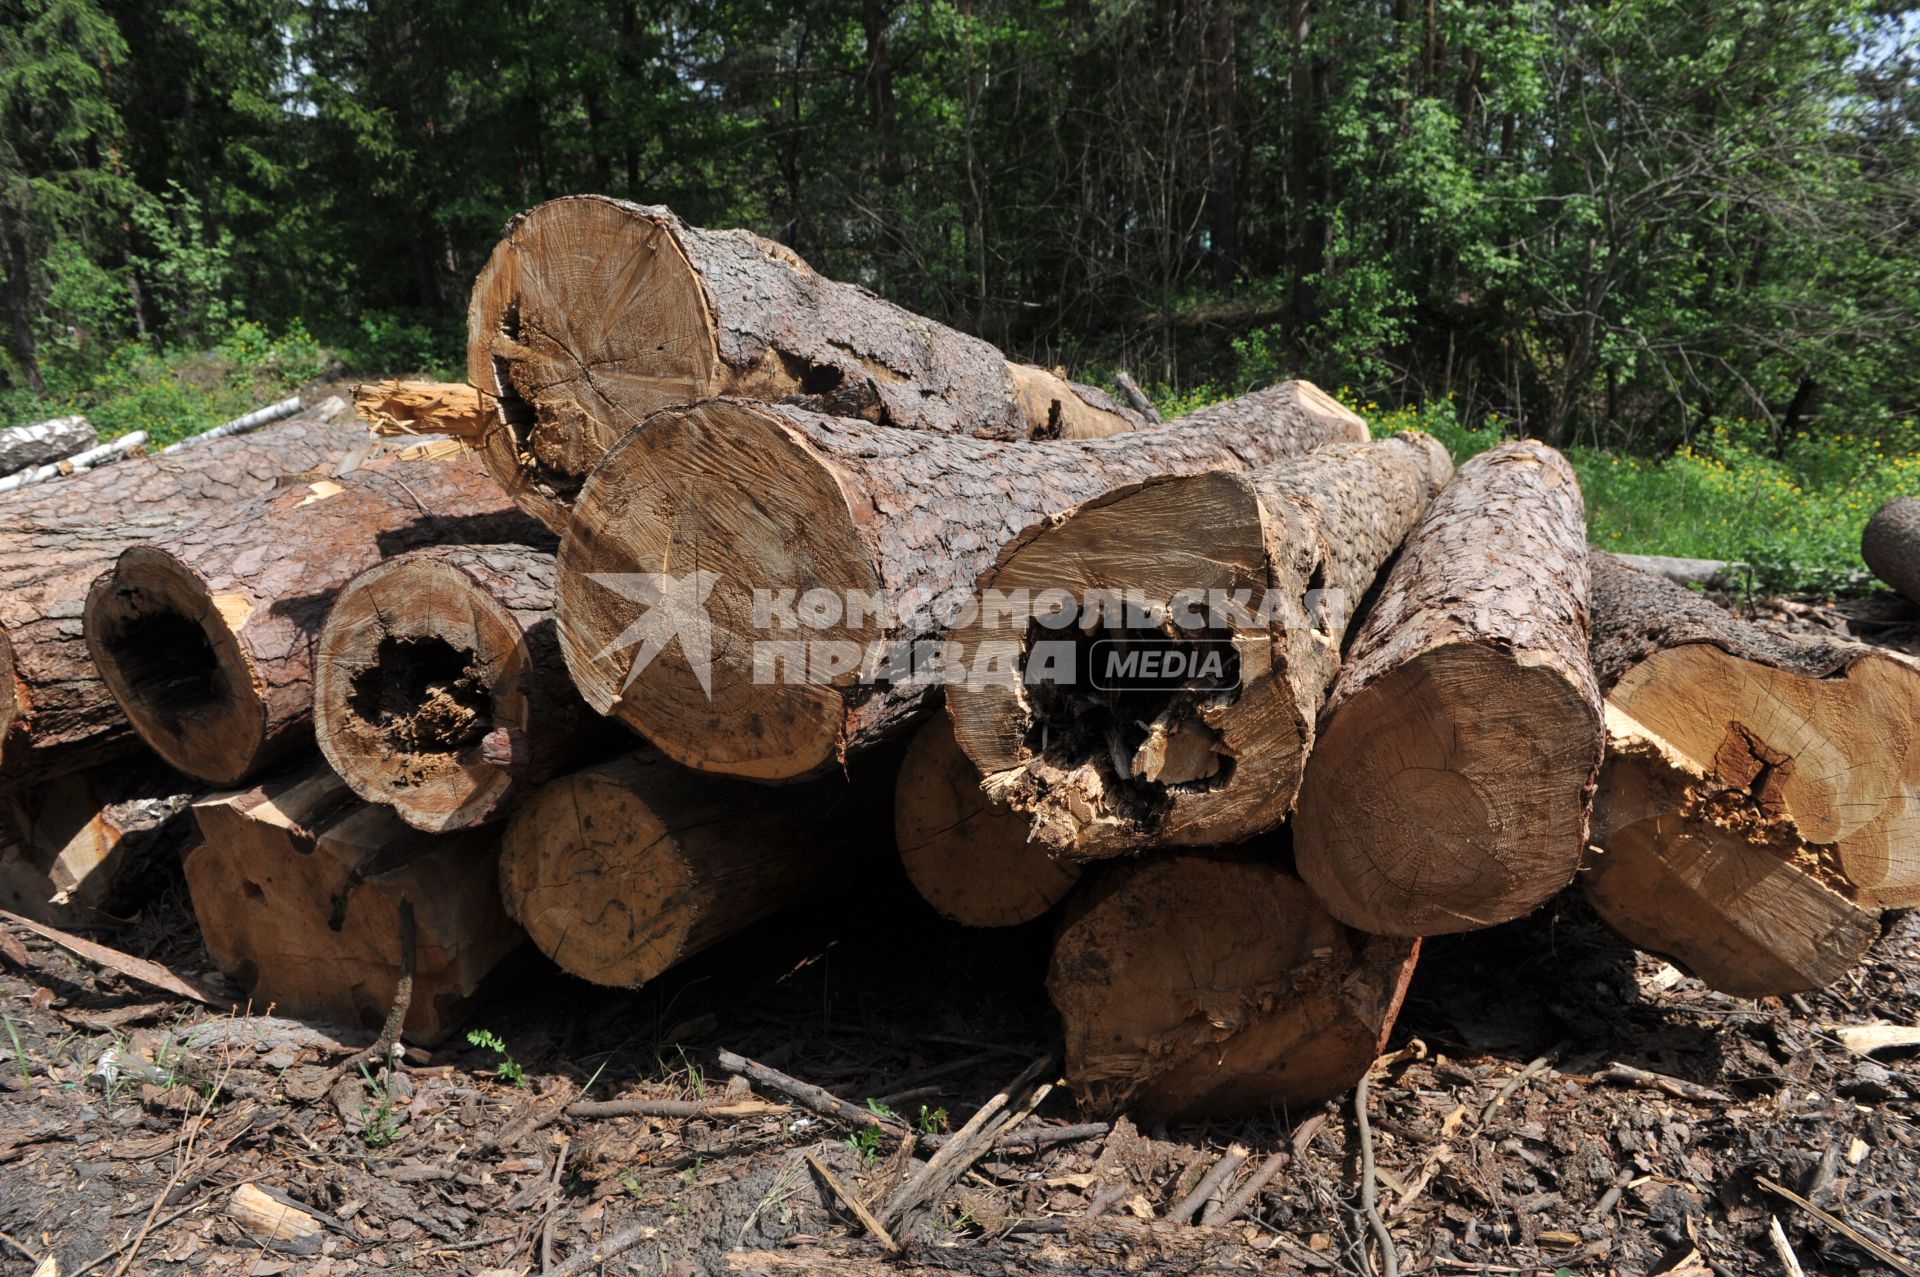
(830, 559)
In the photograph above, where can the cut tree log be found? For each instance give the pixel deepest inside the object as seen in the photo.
(968, 856)
(128, 445)
(56, 715)
(620, 871)
(439, 689)
(298, 885)
(1450, 784)
(1761, 798)
(1198, 985)
(1262, 571)
(1890, 544)
(44, 441)
(594, 312)
(720, 519)
(72, 848)
(205, 634)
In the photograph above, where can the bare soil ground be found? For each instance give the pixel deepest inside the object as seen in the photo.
(1554, 1103)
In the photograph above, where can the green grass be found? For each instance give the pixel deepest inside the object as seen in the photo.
(1796, 517)
(177, 393)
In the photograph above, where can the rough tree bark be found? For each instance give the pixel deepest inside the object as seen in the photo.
(1890, 544)
(622, 870)
(1761, 798)
(1263, 571)
(1451, 780)
(205, 634)
(968, 856)
(56, 715)
(1199, 986)
(43, 442)
(713, 503)
(298, 886)
(439, 689)
(593, 312)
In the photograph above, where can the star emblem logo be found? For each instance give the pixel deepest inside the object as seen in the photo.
(672, 608)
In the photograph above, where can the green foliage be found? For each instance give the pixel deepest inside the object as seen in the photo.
(507, 1069)
(865, 1144)
(379, 1126)
(19, 1052)
(931, 1121)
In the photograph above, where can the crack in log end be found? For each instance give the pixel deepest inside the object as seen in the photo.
(1126, 749)
(422, 695)
(537, 431)
(170, 663)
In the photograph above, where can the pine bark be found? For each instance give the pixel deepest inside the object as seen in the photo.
(1450, 783)
(1102, 768)
(734, 497)
(594, 312)
(298, 888)
(43, 442)
(205, 634)
(56, 714)
(1194, 986)
(1890, 544)
(967, 855)
(1761, 798)
(621, 871)
(439, 689)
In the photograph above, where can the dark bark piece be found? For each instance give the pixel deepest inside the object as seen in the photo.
(620, 871)
(968, 856)
(722, 499)
(1450, 784)
(1201, 986)
(439, 689)
(594, 312)
(1890, 544)
(1215, 756)
(297, 886)
(56, 715)
(1761, 800)
(205, 634)
(42, 442)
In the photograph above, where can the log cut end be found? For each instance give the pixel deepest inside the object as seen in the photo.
(298, 889)
(1455, 792)
(968, 856)
(1890, 544)
(668, 581)
(1197, 987)
(1103, 760)
(586, 318)
(170, 654)
(415, 670)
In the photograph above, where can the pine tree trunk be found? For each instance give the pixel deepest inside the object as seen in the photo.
(1103, 766)
(1450, 784)
(56, 715)
(594, 312)
(623, 870)
(205, 634)
(1891, 545)
(298, 888)
(968, 856)
(715, 502)
(439, 690)
(43, 442)
(1761, 798)
(1200, 987)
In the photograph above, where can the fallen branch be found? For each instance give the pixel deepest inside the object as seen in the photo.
(591, 1257)
(1679, 1088)
(1209, 1184)
(241, 425)
(867, 1221)
(1369, 1186)
(146, 972)
(1234, 1206)
(1872, 1245)
(968, 1144)
(807, 1095)
(123, 446)
(590, 1109)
